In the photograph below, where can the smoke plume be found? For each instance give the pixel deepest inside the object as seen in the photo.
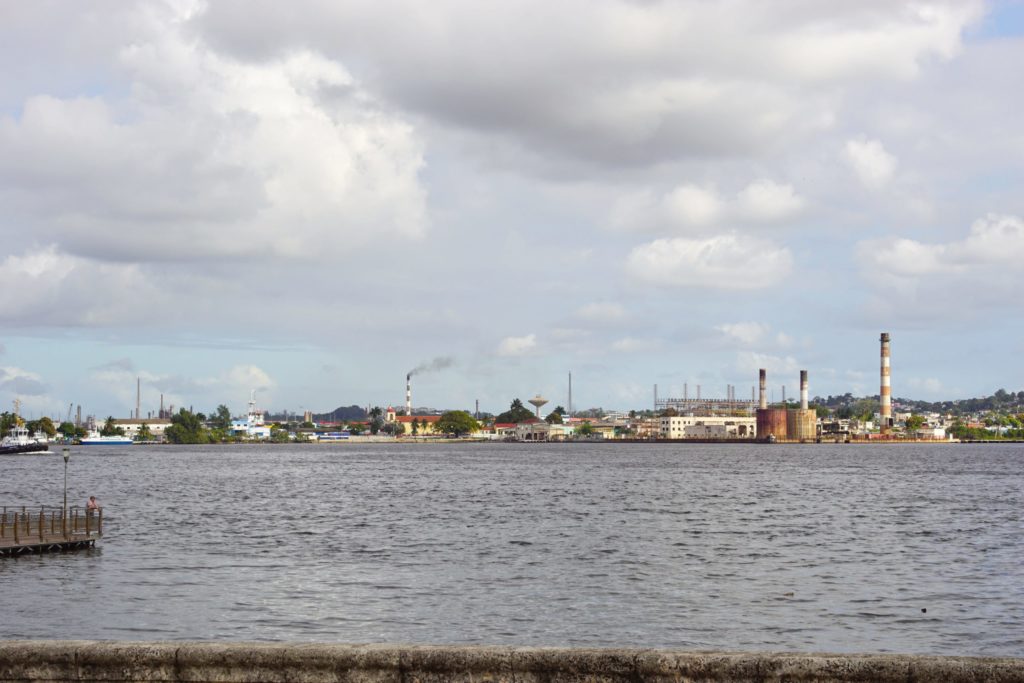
(439, 363)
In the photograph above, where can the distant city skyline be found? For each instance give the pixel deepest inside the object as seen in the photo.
(310, 200)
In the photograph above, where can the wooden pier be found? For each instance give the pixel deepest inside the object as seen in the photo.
(47, 530)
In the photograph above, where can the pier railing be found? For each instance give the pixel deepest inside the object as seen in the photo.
(24, 526)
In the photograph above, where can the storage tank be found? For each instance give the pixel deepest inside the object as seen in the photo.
(771, 423)
(802, 425)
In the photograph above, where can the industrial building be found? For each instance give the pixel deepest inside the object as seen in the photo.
(708, 427)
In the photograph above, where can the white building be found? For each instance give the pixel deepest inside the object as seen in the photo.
(708, 427)
(131, 428)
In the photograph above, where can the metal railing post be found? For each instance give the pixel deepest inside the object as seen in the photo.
(99, 524)
(17, 540)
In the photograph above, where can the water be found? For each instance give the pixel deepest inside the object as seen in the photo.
(740, 547)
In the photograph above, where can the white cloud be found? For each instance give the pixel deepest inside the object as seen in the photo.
(635, 345)
(689, 205)
(627, 88)
(748, 333)
(203, 154)
(602, 312)
(118, 380)
(20, 382)
(727, 262)
(781, 369)
(517, 346)
(871, 163)
(995, 240)
(765, 200)
(930, 385)
(690, 209)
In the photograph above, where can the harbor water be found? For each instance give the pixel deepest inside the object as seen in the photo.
(843, 548)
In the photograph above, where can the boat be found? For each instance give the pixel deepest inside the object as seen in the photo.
(95, 439)
(18, 441)
(333, 436)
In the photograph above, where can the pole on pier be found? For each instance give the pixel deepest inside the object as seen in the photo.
(64, 510)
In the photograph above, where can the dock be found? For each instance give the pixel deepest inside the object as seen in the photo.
(46, 530)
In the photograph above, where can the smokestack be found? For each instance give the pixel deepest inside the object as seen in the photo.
(803, 390)
(885, 393)
(764, 382)
(408, 394)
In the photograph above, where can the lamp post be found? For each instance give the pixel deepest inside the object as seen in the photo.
(64, 510)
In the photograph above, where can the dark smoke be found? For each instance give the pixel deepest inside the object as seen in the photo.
(439, 363)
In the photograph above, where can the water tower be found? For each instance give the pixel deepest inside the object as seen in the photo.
(537, 402)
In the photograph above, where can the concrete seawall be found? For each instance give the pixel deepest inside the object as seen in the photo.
(301, 663)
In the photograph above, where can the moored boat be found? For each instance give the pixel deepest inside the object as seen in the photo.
(95, 439)
(18, 441)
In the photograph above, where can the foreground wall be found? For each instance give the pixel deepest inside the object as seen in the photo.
(200, 662)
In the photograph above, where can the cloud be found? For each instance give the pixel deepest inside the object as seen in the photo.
(996, 240)
(781, 369)
(871, 163)
(517, 346)
(21, 382)
(726, 262)
(203, 155)
(635, 83)
(691, 205)
(602, 312)
(117, 379)
(765, 200)
(635, 345)
(690, 209)
(747, 333)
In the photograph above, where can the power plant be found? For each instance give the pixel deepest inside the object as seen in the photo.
(771, 422)
(781, 424)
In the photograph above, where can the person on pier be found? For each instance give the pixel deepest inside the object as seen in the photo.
(92, 506)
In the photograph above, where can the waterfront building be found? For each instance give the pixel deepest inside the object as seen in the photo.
(157, 427)
(708, 427)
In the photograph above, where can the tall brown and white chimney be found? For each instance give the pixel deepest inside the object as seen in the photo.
(803, 390)
(763, 405)
(408, 394)
(885, 392)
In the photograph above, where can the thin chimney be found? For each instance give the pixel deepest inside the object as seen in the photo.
(764, 382)
(885, 393)
(803, 390)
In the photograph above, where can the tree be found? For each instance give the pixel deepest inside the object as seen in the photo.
(376, 419)
(913, 423)
(145, 434)
(457, 423)
(43, 425)
(585, 429)
(221, 418)
(517, 412)
(415, 426)
(554, 418)
(67, 429)
(111, 429)
(187, 427)
(394, 428)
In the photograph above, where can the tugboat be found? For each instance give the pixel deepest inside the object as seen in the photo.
(18, 441)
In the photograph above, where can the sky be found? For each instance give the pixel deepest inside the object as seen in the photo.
(310, 199)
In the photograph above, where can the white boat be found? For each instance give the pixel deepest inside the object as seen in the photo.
(95, 439)
(18, 441)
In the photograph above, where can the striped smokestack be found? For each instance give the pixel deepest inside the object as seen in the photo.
(408, 394)
(764, 382)
(803, 390)
(885, 393)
